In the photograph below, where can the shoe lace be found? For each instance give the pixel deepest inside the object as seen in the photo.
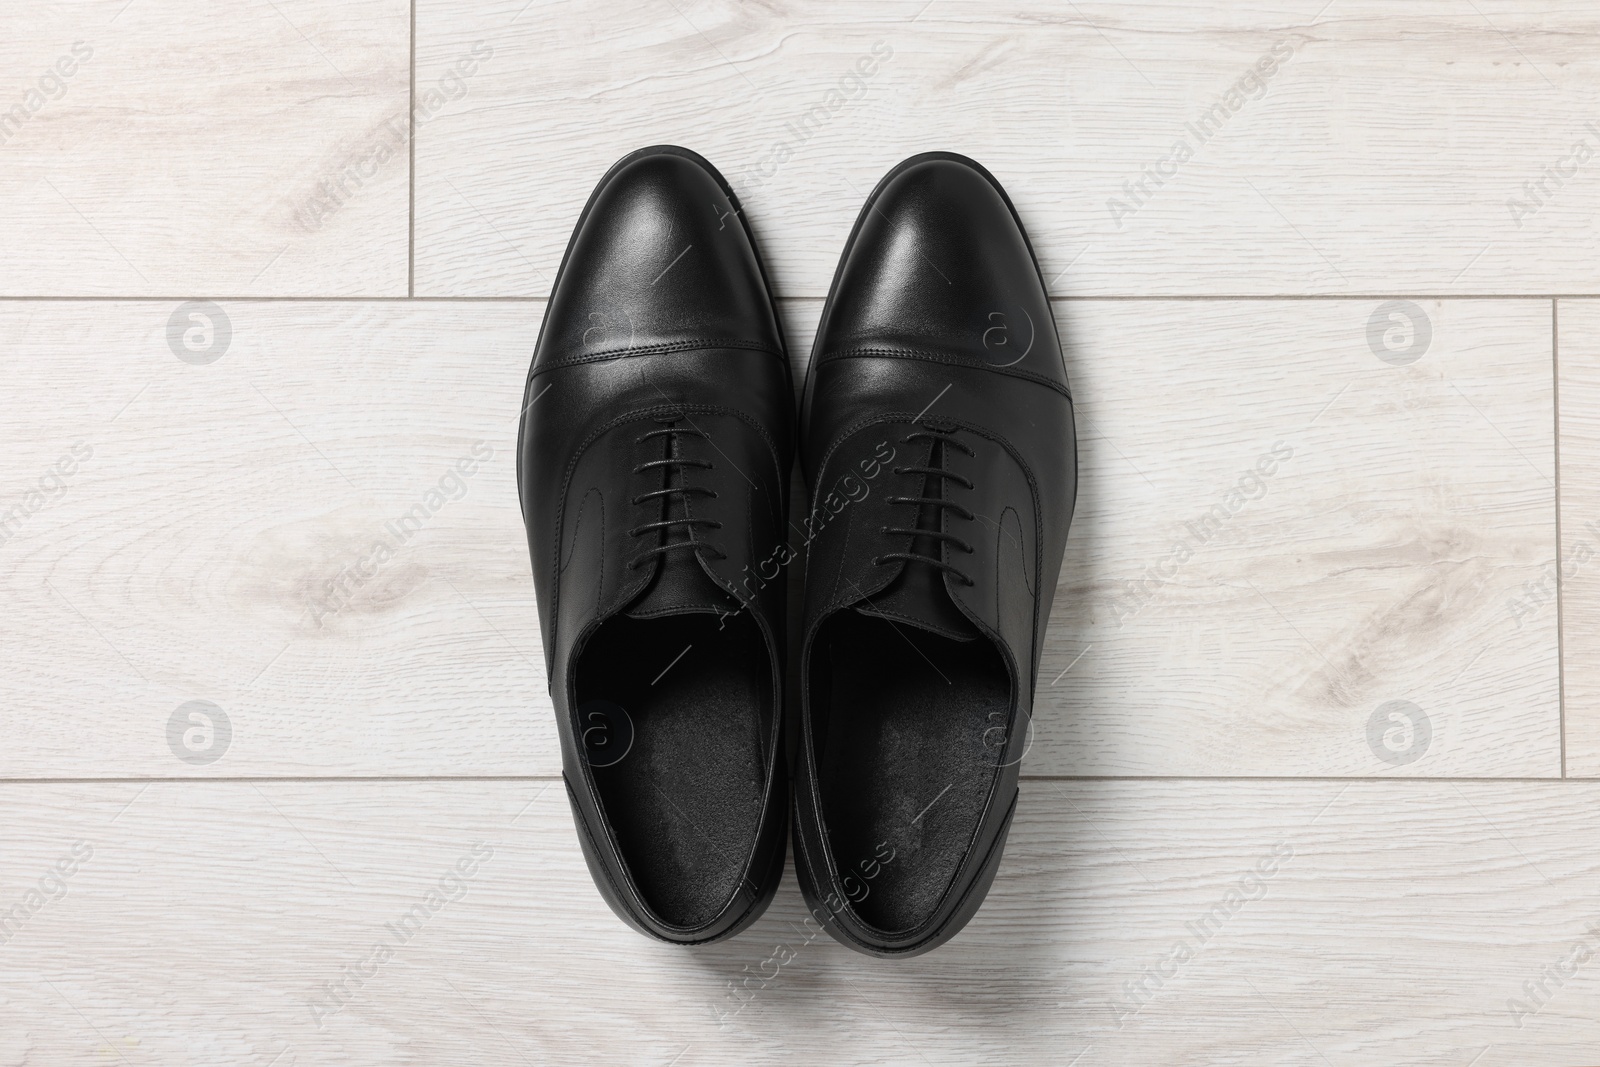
(942, 440)
(674, 463)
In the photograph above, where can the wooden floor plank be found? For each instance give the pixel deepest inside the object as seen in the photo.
(210, 532)
(238, 534)
(1152, 148)
(1575, 575)
(1284, 528)
(259, 528)
(1372, 922)
(157, 147)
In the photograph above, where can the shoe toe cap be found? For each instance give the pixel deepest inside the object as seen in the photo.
(939, 261)
(661, 258)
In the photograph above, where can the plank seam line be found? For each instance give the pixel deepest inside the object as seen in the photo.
(1561, 641)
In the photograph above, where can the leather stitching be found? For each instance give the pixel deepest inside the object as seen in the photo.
(844, 556)
(576, 530)
(1000, 534)
(923, 623)
(750, 532)
(999, 579)
(689, 345)
(940, 357)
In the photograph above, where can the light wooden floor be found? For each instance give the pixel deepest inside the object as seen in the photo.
(1316, 769)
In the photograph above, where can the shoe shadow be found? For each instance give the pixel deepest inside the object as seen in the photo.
(998, 984)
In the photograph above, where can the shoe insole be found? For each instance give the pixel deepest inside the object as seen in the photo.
(685, 799)
(908, 752)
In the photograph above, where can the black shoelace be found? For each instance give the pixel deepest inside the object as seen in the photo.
(942, 440)
(674, 463)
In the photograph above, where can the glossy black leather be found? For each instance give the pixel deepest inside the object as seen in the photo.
(661, 340)
(937, 349)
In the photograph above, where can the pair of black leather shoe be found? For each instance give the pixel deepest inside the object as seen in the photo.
(657, 436)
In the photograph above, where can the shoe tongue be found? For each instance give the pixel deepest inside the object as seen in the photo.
(680, 587)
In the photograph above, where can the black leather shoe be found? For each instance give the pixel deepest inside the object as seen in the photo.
(653, 467)
(939, 450)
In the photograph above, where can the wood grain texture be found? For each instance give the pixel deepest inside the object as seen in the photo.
(280, 538)
(1278, 533)
(239, 535)
(221, 541)
(226, 148)
(1575, 574)
(1152, 148)
(1376, 923)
